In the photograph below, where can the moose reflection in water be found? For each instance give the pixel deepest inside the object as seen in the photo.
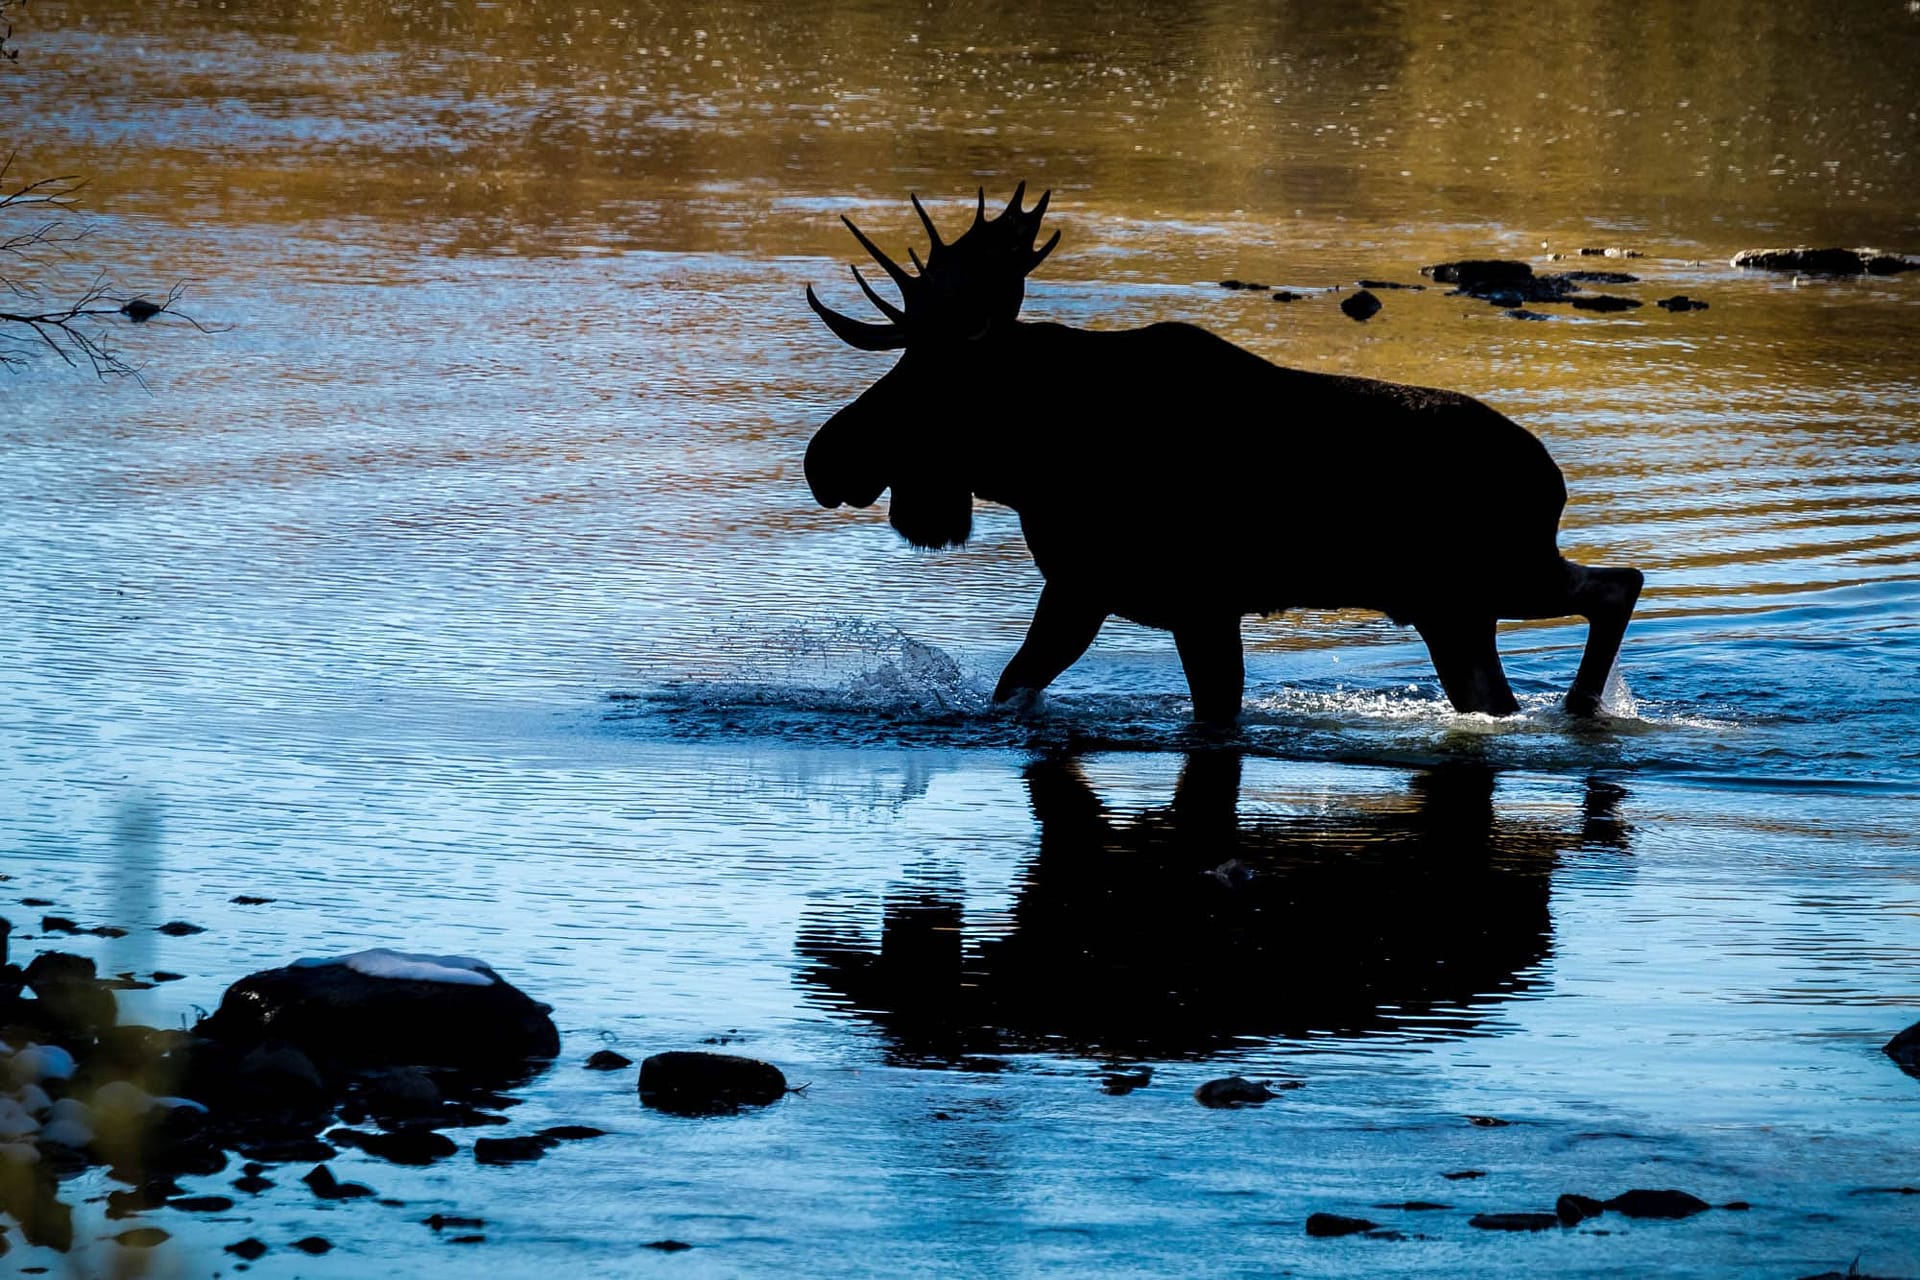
(1169, 477)
(1181, 929)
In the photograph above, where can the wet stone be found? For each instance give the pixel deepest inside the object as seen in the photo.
(315, 1245)
(1233, 1091)
(442, 1221)
(252, 1183)
(321, 1180)
(1122, 1082)
(1287, 295)
(1571, 1208)
(1360, 306)
(1904, 1049)
(698, 1084)
(570, 1133)
(249, 900)
(1834, 262)
(1514, 1221)
(510, 1150)
(179, 929)
(1680, 302)
(414, 1146)
(667, 1246)
(289, 1151)
(1462, 1175)
(1657, 1204)
(1389, 284)
(607, 1060)
(201, 1204)
(250, 1249)
(1521, 313)
(1325, 1225)
(1488, 1122)
(1605, 302)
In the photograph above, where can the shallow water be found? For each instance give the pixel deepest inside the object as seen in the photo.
(463, 594)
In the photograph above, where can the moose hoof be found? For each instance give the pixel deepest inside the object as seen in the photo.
(1021, 703)
(1582, 705)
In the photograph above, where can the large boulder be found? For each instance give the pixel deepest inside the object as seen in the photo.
(387, 1008)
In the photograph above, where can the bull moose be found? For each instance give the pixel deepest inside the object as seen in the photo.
(1165, 475)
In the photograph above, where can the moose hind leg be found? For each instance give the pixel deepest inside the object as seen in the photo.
(1605, 598)
(1216, 668)
(1062, 629)
(1468, 662)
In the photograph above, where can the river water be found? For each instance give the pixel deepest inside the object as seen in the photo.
(460, 591)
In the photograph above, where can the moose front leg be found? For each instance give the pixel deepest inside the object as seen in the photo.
(1216, 669)
(1062, 629)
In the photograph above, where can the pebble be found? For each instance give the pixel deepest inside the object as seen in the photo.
(250, 1249)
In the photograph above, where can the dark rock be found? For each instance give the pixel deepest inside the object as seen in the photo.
(149, 1195)
(1606, 302)
(1287, 295)
(1520, 313)
(143, 1237)
(249, 900)
(414, 1145)
(252, 1183)
(1680, 302)
(179, 929)
(338, 1013)
(510, 1150)
(201, 1204)
(695, 1083)
(441, 1221)
(70, 996)
(1361, 305)
(667, 1246)
(249, 1249)
(1241, 284)
(1233, 1091)
(288, 1151)
(315, 1245)
(36, 902)
(1514, 1221)
(1462, 1175)
(163, 975)
(57, 924)
(1488, 1122)
(607, 1060)
(1736, 1206)
(320, 1178)
(1121, 1083)
(473, 1239)
(571, 1133)
(1471, 272)
(1389, 284)
(1904, 1049)
(1657, 1204)
(1828, 262)
(1572, 1208)
(1332, 1224)
(399, 1092)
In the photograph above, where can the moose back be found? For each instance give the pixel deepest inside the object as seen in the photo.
(1166, 476)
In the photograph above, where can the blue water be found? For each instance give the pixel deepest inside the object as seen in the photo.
(462, 593)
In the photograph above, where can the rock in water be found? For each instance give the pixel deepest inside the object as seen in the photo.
(1657, 1204)
(1826, 262)
(1361, 306)
(381, 1007)
(1333, 1224)
(702, 1084)
(1905, 1050)
(1237, 1091)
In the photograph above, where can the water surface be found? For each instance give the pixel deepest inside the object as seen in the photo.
(464, 594)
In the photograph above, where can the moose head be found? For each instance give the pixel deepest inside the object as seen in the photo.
(953, 307)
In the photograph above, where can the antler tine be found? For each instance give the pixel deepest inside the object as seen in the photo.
(887, 309)
(857, 333)
(933, 232)
(914, 258)
(1040, 210)
(1041, 255)
(894, 269)
(1013, 205)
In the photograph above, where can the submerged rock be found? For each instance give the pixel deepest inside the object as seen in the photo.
(1324, 1225)
(250, 1249)
(1606, 302)
(1572, 1208)
(1826, 262)
(1680, 302)
(383, 1007)
(1514, 1221)
(690, 1082)
(607, 1060)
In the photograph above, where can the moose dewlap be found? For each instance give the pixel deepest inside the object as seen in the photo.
(1166, 476)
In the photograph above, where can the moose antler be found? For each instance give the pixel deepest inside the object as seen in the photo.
(962, 288)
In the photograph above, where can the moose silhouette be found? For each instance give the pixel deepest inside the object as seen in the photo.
(1166, 476)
